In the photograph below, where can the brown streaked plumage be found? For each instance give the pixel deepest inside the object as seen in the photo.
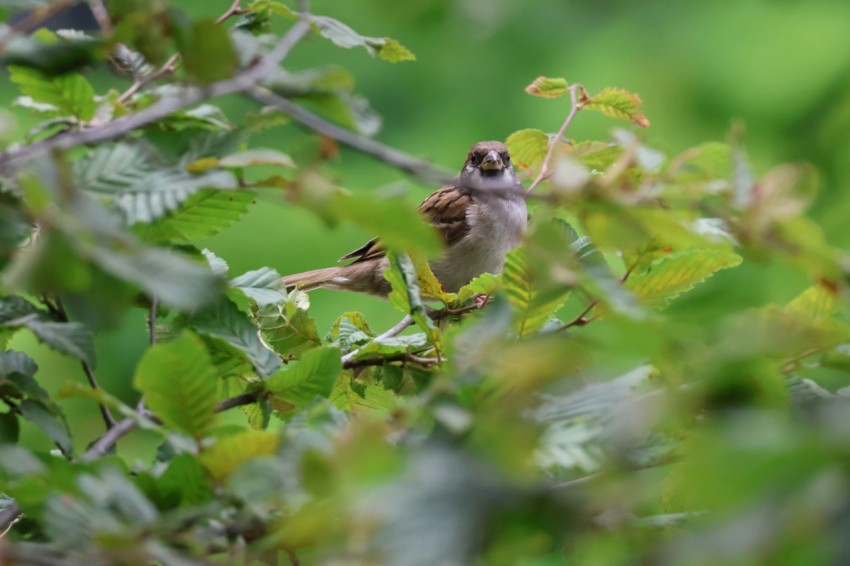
(478, 218)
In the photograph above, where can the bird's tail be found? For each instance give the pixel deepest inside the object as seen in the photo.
(329, 277)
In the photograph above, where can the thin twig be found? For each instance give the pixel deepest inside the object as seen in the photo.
(379, 360)
(9, 516)
(101, 16)
(152, 321)
(580, 320)
(167, 68)
(16, 158)
(234, 10)
(58, 311)
(419, 168)
(447, 312)
(238, 401)
(575, 106)
(400, 327)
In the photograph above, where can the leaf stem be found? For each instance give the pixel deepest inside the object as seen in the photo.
(575, 106)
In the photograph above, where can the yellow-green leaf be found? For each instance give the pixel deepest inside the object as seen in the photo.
(528, 147)
(618, 103)
(230, 452)
(547, 87)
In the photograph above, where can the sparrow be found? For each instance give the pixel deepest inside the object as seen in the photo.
(480, 218)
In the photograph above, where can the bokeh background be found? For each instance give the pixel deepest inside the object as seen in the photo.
(779, 67)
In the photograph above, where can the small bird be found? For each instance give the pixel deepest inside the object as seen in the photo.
(480, 217)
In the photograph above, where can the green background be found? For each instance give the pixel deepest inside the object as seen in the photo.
(778, 67)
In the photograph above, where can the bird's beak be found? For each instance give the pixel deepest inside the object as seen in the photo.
(492, 162)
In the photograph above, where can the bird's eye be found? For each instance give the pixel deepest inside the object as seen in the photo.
(473, 159)
(506, 158)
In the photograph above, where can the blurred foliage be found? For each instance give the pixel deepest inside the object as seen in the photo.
(658, 375)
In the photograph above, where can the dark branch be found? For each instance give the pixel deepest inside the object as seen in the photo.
(421, 169)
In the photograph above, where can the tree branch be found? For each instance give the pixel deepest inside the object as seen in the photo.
(400, 327)
(421, 169)
(14, 159)
(575, 106)
(234, 10)
(9, 516)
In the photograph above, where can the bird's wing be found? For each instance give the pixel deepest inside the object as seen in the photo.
(446, 210)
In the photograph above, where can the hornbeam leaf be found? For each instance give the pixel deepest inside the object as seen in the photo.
(670, 275)
(618, 103)
(528, 147)
(72, 338)
(177, 379)
(136, 178)
(224, 320)
(531, 310)
(310, 377)
(342, 35)
(204, 214)
(230, 452)
(547, 87)
(70, 93)
(264, 286)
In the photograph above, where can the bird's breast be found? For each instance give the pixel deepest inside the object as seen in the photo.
(496, 227)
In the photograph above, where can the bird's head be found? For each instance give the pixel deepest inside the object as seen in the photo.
(488, 166)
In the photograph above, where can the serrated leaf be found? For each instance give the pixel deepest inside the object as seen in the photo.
(207, 51)
(224, 320)
(670, 275)
(287, 328)
(257, 156)
(547, 87)
(264, 286)
(185, 480)
(49, 419)
(350, 330)
(232, 451)
(484, 284)
(204, 214)
(72, 338)
(818, 301)
(177, 379)
(139, 182)
(343, 36)
(531, 310)
(618, 103)
(312, 376)
(405, 294)
(70, 93)
(528, 147)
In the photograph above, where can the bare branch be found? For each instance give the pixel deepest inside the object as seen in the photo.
(238, 401)
(152, 321)
(575, 106)
(234, 10)
(9, 516)
(166, 69)
(402, 325)
(421, 169)
(14, 159)
(101, 15)
(35, 18)
(381, 359)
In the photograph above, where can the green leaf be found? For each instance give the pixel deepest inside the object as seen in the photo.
(287, 327)
(350, 110)
(618, 103)
(139, 182)
(343, 36)
(9, 428)
(484, 284)
(531, 309)
(72, 338)
(312, 376)
(224, 320)
(204, 214)
(232, 451)
(70, 93)
(670, 275)
(50, 420)
(818, 301)
(177, 379)
(264, 286)
(528, 147)
(186, 480)
(404, 281)
(350, 330)
(207, 51)
(547, 87)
